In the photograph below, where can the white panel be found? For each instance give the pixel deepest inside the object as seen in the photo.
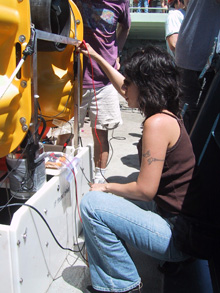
(36, 257)
(5, 259)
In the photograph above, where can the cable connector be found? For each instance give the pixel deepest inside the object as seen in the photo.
(83, 43)
(80, 46)
(66, 143)
(29, 50)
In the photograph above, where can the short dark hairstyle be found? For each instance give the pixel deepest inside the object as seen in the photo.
(155, 74)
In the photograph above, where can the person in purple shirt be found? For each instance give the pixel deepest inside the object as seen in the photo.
(106, 27)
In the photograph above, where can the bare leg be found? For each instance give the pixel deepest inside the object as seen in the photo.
(101, 147)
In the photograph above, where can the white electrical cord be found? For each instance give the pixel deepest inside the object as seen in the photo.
(12, 77)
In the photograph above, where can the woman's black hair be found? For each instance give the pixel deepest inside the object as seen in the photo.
(154, 72)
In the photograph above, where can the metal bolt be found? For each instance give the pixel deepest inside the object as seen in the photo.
(25, 234)
(18, 242)
(21, 280)
(23, 84)
(22, 120)
(58, 187)
(25, 128)
(45, 211)
(36, 96)
(47, 244)
(21, 38)
(77, 21)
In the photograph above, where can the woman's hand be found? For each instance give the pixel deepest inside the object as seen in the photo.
(115, 77)
(118, 65)
(98, 187)
(87, 50)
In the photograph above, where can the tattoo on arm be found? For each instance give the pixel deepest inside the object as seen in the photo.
(150, 159)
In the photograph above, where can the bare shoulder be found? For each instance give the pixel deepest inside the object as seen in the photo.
(160, 121)
(164, 126)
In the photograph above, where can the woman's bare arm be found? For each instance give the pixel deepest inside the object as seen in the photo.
(172, 40)
(155, 143)
(116, 78)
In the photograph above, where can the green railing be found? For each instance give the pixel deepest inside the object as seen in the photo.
(157, 9)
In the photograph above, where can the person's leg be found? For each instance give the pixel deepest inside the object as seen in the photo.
(146, 6)
(110, 221)
(195, 91)
(101, 147)
(85, 104)
(191, 89)
(139, 5)
(104, 113)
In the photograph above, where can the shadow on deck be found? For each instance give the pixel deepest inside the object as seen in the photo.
(194, 278)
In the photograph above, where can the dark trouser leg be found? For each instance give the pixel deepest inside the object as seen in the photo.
(195, 91)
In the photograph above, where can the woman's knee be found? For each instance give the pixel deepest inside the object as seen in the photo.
(89, 201)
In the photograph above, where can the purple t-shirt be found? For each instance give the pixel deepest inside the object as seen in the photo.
(100, 20)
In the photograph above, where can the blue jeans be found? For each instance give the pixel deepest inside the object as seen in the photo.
(110, 221)
(145, 4)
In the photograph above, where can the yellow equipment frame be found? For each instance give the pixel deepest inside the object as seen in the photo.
(46, 79)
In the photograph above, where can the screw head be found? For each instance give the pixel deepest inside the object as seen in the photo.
(23, 83)
(25, 128)
(21, 38)
(22, 120)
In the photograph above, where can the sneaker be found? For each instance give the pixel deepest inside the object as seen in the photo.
(99, 175)
(99, 180)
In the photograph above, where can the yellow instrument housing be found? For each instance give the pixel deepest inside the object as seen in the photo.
(55, 75)
(16, 102)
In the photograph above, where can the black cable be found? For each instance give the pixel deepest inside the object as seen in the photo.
(27, 175)
(7, 204)
(3, 176)
(27, 205)
(24, 204)
(29, 49)
(65, 107)
(71, 130)
(84, 175)
(80, 251)
(72, 170)
(117, 138)
(15, 165)
(43, 128)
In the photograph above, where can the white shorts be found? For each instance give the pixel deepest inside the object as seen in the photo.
(104, 109)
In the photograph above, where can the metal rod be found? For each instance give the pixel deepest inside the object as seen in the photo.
(77, 105)
(42, 35)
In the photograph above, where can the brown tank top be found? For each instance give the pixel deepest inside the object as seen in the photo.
(177, 173)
